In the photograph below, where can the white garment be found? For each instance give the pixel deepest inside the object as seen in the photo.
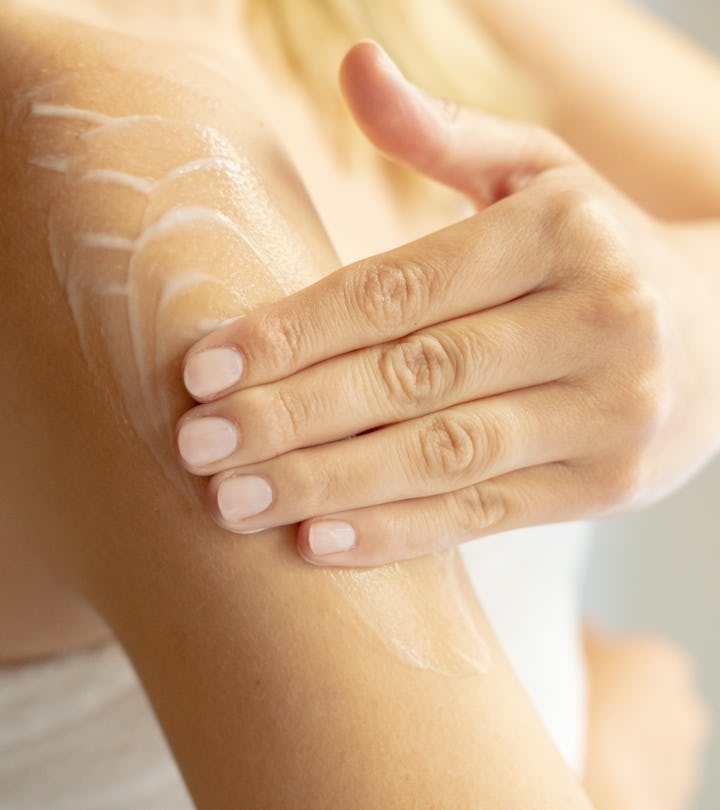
(529, 582)
(77, 733)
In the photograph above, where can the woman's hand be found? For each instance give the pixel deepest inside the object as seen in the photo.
(550, 358)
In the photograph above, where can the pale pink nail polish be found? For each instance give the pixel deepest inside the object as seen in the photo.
(330, 537)
(243, 496)
(212, 371)
(207, 440)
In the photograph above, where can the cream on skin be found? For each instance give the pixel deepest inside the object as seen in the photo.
(142, 252)
(207, 200)
(381, 599)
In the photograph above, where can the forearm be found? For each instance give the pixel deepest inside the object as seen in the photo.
(635, 98)
(272, 692)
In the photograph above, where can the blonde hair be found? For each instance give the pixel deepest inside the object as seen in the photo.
(437, 44)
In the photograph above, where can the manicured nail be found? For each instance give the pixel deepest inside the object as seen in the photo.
(243, 496)
(331, 536)
(206, 440)
(212, 371)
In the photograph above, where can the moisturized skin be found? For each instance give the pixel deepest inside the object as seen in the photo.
(158, 222)
(207, 211)
(385, 612)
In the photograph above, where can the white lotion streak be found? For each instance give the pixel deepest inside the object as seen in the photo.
(45, 110)
(101, 268)
(178, 218)
(138, 298)
(181, 283)
(106, 241)
(51, 162)
(139, 184)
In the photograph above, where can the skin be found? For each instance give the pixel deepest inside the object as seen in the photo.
(60, 569)
(481, 353)
(279, 717)
(656, 81)
(639, 758)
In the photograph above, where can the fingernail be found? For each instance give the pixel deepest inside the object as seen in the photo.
(243, 496)
(206, 440)
(331, 536)
(212, 371)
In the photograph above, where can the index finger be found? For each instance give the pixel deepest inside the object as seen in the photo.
(485, 260)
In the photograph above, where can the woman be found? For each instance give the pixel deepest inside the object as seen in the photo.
(165, 209)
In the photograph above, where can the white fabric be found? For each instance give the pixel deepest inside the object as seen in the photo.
(529, 582)
(76, 733)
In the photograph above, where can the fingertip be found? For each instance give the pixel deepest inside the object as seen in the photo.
(302, 543)
(209, 372)
(308, 558)
(357, 56)
(393, 113)
(327, 542)
(368, 53)
(215, 362)
(364, 74)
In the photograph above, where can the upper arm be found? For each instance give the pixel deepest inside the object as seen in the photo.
(278, 684)
(634, 97)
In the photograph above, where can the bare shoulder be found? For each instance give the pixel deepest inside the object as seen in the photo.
(142, 201)
(144, 195)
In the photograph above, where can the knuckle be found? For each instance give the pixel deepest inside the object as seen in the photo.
(649, 394)
(636, 398)
(627, 308)
(621, 486)
(282, 340)
(643, 315)
(626, 319)
(636, 407)
(566, 206)
(479, 508)
(389, 293)
(581, 229)
(448, 449)
(646, 409)
(418, 370)
(290, 418)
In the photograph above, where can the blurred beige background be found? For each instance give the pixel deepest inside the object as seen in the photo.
(659, 570)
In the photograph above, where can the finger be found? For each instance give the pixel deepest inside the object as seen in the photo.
(476, 264)
(518, 345)
(548, 493)
(469, 266)
(441, 452)
(480, 155)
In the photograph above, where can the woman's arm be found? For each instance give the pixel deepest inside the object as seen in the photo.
(278, 684)
(634, 97)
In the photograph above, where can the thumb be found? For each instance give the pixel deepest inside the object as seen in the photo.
(478, 154)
